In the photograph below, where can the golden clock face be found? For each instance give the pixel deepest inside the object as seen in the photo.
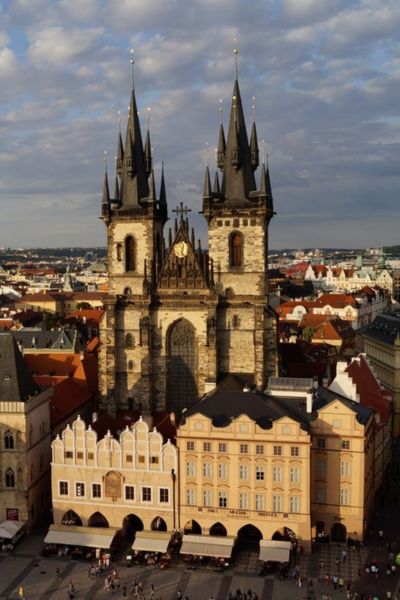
(181, 249)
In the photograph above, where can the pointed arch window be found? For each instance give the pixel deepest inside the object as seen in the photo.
(130, 253)
(8, 440)
(10, 478)
(236, 249)
(129, 342)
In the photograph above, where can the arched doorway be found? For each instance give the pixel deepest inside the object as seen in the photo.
(181, 365)
(130, 525)
(285, 534)
(158, 524)
(218, 529)
(338, 533)
(193, 527)
(248, 538)
(71, 518)
(97, 520)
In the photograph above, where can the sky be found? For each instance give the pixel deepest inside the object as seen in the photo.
(325, 75)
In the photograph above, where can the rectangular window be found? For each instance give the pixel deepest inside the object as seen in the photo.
(260, 474)
(129, 492)
(345, 468)
(141, 459)
(222, 471)
(294, 451)
(190, 497)
(276, 503)
(68, 454)
(260, 502)
(207, 470)
(190, 469)
(277, 474)
(207, 498)
(277, 450)
(294, 504)
(345, 496)
(260, 449)
(129, 458)
(190, 446)
(146, 494)
(90, 456)
(207, 447)
(154, 460)
(79, 489)
(64, 488)
(96, 490)
(320, 495)
(321, 443)
(79, 455)
(294, 475)
(222, 499)
(222, 447)
(244, 501)
(243, 472)
(320, 466)
(244, 448)
(345, 444)
(164, 495)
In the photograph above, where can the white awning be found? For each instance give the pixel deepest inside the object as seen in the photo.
(207, 545)
(88, 537)
(9, 529)
(277, 551)
(151, 541)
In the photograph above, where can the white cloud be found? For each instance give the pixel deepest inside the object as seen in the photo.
(8, 62)
(58, 45)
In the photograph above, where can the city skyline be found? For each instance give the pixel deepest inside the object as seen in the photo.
(325, 78)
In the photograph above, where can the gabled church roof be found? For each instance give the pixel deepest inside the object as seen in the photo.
(16, 383)
(184, 266)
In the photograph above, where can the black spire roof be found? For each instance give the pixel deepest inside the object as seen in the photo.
(16, 383)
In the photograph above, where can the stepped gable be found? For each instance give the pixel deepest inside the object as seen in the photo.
(184, 266)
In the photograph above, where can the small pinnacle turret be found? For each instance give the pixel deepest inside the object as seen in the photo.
(105, 205)
(147, 154)
(221, 148)
(254, 148)
(207, 184)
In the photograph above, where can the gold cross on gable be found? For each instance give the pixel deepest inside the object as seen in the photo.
(181, 210)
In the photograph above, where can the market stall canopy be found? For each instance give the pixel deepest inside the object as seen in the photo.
(88, 537)
(151, 541)
(274, 550)
(9, 529)
(208, 545)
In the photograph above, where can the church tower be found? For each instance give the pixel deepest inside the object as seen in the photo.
(177, 317)
(238, 214)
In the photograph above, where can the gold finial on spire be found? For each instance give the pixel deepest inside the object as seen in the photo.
(105, 161)
(132, 61)
(236, 52)
(220, 109)
(253, 106)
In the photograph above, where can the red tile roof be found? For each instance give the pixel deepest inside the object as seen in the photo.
(370, 392)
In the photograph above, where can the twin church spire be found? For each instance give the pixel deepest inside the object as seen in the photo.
(134, 189)
(238, 159)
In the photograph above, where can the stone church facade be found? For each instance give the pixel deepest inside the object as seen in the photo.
(179, 318)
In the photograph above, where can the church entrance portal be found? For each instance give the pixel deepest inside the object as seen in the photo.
(181, 362)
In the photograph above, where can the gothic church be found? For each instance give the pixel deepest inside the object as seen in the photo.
(179, 318)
